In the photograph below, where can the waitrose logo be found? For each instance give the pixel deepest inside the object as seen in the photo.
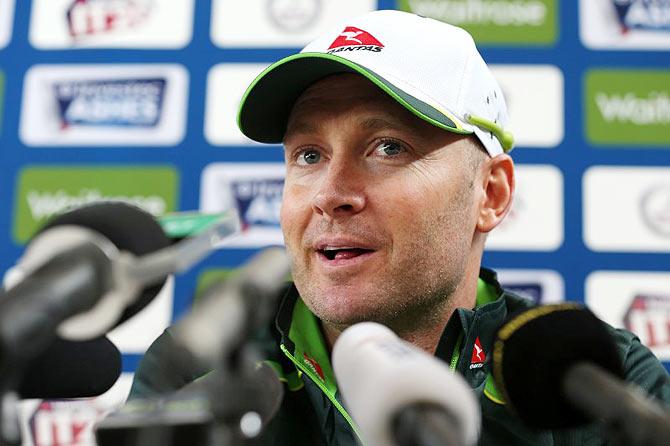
(654, 108)
(44, 192)
(628, 107)
(43, 205)
(524, 22)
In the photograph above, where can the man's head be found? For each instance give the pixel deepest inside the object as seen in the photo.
(388, 193)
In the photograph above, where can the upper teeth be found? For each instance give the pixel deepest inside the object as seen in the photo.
(336, 248)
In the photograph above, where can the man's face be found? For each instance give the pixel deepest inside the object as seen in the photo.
(378, 211)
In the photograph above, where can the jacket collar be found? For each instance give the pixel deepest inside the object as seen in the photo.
(301, 332)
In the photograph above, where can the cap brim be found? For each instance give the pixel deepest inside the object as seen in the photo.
(266, 105)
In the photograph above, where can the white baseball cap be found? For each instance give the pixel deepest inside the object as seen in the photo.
(431, 68)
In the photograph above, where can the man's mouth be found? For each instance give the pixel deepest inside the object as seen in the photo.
(342, 253)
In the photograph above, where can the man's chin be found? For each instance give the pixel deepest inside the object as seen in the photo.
(343, 303)
(343, 315)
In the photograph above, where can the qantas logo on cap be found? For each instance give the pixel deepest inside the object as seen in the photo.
(355, 39)
(478, 355)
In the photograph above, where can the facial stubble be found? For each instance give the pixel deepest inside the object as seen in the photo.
(417, 292)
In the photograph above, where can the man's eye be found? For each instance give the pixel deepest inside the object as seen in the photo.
(390, 148)
(309, 156)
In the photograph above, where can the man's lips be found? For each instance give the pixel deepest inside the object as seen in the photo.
(342, 250)
(343, 253)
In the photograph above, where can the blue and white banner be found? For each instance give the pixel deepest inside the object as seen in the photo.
(104, 104)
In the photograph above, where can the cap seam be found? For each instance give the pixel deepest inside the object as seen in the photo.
(460, 99)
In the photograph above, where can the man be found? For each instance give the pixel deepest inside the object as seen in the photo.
(395, 148)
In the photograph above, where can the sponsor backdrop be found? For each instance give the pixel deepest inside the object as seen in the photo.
(136, 100)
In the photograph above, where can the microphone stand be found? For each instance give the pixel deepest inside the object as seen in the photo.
(224, 408)
(629, 417)
(235, 397)
(425, 424)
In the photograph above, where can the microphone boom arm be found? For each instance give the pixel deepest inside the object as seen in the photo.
(631, 418)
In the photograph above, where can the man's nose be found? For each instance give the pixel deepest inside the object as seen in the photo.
(340, 192)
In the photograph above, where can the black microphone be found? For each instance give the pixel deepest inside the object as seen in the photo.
(122, 232)
(130, 255)
(263, 382)
(60, 368)
(237, 399)
(558, 367)
(65, 285)
(69, 369)
(130, 229)
(229, 311)
(67, 268)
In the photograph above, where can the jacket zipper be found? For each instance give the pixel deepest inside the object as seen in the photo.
(331, 397)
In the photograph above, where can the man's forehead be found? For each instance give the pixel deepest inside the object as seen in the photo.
(308, 124)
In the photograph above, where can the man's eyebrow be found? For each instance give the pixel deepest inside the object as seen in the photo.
(300, 128)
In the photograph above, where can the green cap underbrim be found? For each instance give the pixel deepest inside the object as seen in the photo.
(266, 105)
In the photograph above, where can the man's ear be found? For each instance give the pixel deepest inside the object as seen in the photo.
(498, 186)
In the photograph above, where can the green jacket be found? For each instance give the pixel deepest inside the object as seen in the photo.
(312, 412)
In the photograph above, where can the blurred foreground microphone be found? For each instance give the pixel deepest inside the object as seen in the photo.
(69, 369)
(66, 269)
(75, 280)
(85, 272)
(558, 367)
(233, 404)
(130, 253)
(231, 310)
(400, 395)
(82, 274)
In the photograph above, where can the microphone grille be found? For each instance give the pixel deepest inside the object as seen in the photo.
(533, 352)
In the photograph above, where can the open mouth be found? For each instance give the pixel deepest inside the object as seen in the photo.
(343, 253)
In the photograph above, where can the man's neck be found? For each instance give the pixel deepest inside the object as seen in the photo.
(424, 330)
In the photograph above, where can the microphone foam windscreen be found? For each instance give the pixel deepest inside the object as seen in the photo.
(129, 228)
(69, 369)
(533, 352)
(379, 376)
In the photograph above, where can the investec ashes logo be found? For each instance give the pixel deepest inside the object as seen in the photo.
(355, 39)
(652, 15)
(110, 102)
(258, 200)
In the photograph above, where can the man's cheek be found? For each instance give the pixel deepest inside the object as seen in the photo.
(285, 213)
(290, 226)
